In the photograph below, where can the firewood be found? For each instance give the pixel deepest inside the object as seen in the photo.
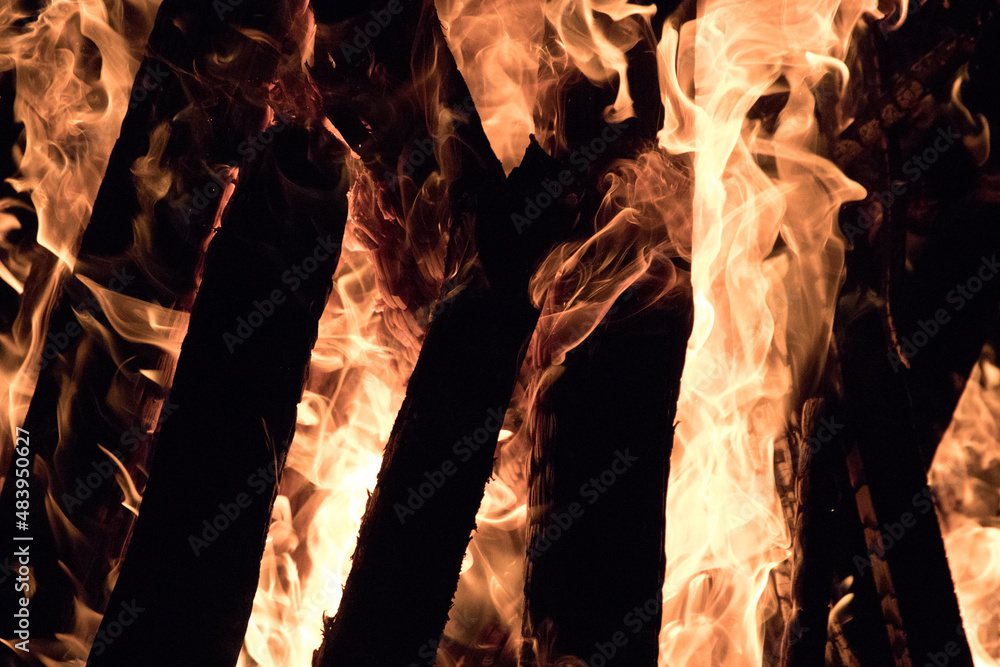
(209, 114)
(420, 516)
(804, 642)
(604, 432)
(909, 538)
(194, 558)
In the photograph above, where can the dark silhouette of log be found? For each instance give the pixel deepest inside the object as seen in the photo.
(193, 560)
(905, 344)
(862, 622)
(439, 457)
(828, 535)
(910, 538)
(420, 517)
(410, 547)
(618, 390)
(952, 296)
(804, 641)
(604, 432)
(209, 115)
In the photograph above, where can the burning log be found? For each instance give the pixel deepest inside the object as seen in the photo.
(385, 98)
(437, 461)
(828, 535)
(909, 536)
(901, 394)
(194, 557)
(419, 518)
(804, 642)
(157, 265)
(599, 483)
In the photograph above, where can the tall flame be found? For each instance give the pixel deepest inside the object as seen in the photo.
(74, 69)
(766, 263)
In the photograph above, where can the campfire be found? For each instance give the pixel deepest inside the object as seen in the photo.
(509, 333)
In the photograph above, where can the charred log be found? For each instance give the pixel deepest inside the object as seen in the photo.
(828, 536)
(206, 120)
(194, 557)
(599, 483)
(439, 456)
(437, 461)
(900, 396)
(902, 524)
(804, 642)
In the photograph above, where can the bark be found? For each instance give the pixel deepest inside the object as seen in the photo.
(193, 561)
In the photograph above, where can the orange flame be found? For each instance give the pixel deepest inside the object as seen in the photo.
(763, 308)
(759, 230)
(965, 477)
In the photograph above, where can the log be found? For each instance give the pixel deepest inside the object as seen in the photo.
(410, 548)
(193, 561)
(620, 386)
(828, 535)
(900, 396)
(879, 415)
(110, 400)
(419, 519)
(804, 641)
(952, 297)
(599, 468)
(862, 623)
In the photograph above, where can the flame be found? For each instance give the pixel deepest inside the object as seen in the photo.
(74, 62)
(344, 420)
(751, 205)
(74, 70)
(766, 264)
(965, 477)
(497, 46)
